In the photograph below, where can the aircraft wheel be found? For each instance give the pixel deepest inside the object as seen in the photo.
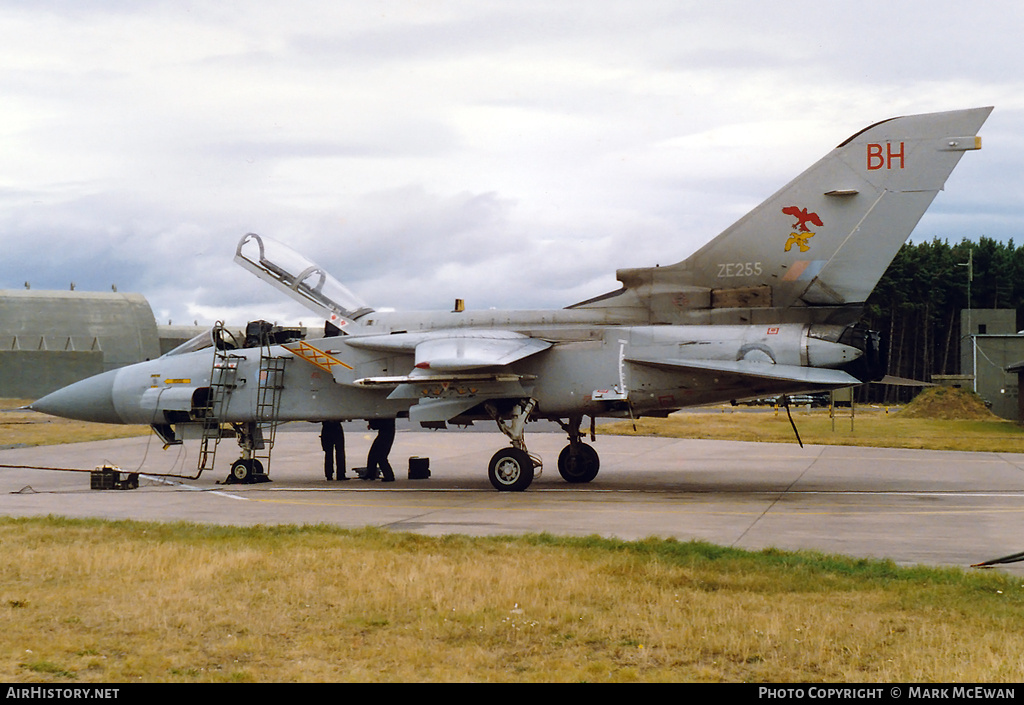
(241, 471)
(258, 473)
(510, 470)
(578, 467)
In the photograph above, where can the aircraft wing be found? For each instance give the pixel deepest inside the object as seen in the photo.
(811, 376)
(451, 374)
(457, 350)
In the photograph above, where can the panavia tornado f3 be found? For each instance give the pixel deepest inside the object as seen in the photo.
(769, 307)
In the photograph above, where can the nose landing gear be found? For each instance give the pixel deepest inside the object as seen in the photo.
(246, 471)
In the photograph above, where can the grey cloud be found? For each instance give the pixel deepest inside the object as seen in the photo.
(513, 154)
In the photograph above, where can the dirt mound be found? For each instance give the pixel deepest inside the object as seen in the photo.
(947, 403)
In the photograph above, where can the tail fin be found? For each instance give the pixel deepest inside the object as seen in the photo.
(824, 239)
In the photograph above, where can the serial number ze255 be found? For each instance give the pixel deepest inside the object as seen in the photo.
(738, 269)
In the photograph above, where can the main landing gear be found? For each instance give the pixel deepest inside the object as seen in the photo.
(578, 462)
(511, 470)
(514, 469)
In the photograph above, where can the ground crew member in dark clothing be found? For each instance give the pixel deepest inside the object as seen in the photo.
(332, 440)
(381, 448)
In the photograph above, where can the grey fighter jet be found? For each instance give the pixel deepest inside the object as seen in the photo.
(769, 307)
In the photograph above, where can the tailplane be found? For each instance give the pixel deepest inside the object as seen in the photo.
(822, 242)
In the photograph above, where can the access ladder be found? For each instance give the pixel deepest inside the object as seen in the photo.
(256, 438)
(223, 382)
(268, 403)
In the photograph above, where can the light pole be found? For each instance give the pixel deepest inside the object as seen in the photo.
(970, 329)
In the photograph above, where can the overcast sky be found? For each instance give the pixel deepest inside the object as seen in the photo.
(512, 153)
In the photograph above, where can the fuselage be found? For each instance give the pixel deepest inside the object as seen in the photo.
(590, 368)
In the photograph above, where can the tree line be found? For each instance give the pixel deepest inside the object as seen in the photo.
(918, 303)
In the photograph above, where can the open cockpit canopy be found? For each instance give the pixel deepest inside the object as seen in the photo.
(300, 278)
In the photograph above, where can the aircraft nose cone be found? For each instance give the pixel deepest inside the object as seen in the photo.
(89, 400)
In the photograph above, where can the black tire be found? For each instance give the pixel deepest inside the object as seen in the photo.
(510, 470)
(241, 471)
(581, 466)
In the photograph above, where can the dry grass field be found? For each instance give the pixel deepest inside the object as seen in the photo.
(939, 420)
(18, 427)
(91, 601)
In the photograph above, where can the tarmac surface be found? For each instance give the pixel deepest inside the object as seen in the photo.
(910, 506)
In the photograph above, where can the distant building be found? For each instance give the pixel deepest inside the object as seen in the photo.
(1017, 369)
(990, 343)
(173, 336)
(49, 339)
